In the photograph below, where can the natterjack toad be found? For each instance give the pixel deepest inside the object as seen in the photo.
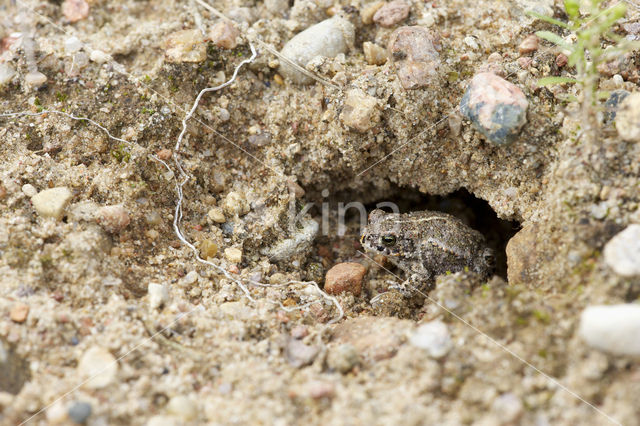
(426, 244)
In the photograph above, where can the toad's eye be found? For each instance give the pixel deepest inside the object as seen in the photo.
(388, 240)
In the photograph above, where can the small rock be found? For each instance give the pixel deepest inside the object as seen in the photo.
(374, 54)
(235, 204)
(216, 214)
(75, 10)
(191, 278)
(522, 256)
(433, 337)
(392, 13)
(208, 249)
(79, 411)
(35, 79)
(158, 295)
(414, 53)
(164, 154)
(343, 358)
(508, 408)
(298, 354)
(345, 277)
(622, 252)
(163, 421)
(317, 389)
(529, 45)
(496, 107)
(224, 34)
(471, 42)
(628, 118)
(113, 219)
(72, 45)
(614, 329)
(374, 338)
(369, 10)
(7, 72)
(360, 111)
(99, 57)
(299, 332)
(327, 38)
(233, 255)
(185, 46)
(561, 60)
(29, 190)
(19, 312)
(51, 202)
(183, 407)
(99, 366)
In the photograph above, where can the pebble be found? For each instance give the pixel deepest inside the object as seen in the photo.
(158, 295)
(496, 107)
(392, 13)
(433, 337)
(224, 34)
(29, 190)
(208, 249)
(99, 57)
(317, 389)
(185, 46)
(622, 252)
(369, 10)
(327, 38)
(298, 354)
(79, 411)
(628, 118)
(374, 54)
(343, 358)
(235, 204)
(561, 60)
(113, 219)
(614, 329)
(529, 45)
(375, 338)
(72, 45)
(299, 331)
(51, 202)
(35, 79)
(75, 10)
(163, 421)
(233, 255)
(508, 408)
(19, 312)
(414, 53)
(183, 407)
(345, 277)
(98, 364)
(360, 111)
(7, 72)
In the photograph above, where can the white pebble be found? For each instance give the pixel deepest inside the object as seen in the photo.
(471, 42)
(327, 38)
(158, 295)
(191, 277)
(7, 72)
(51, 202)
(233, 254)
(183, 407)
(434, 337)
(29, 190)
(72, 45)
(622, 252)
(99, 56)
(35, 79)
(99, 366)
(614, 329)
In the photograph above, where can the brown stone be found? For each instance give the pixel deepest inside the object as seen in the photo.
(224, 35)
(19, 312)
(374, 338)
(528, 45)
(345, 277)
(522, 256)
(414, 52)
(392, 13)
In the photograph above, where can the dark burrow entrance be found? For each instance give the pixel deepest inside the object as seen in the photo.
(473, 211)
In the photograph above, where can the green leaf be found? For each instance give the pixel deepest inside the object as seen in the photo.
(554, 38)
(550, 81)
(548, 19)
(572, 7)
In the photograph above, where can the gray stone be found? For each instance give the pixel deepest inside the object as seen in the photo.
(496, 107)
(79, 411)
